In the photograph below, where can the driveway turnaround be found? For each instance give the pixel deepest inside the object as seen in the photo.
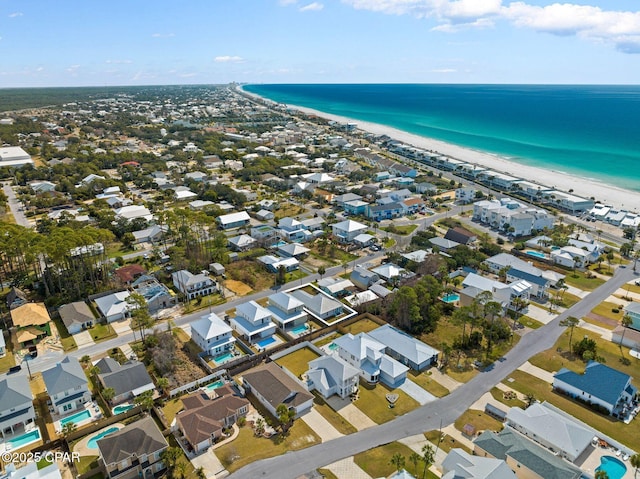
(416, 392)
(321, 426)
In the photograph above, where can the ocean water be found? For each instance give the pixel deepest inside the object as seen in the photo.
(588, 130)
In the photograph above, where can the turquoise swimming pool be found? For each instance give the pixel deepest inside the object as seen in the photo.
(92, 443)
(266, 342)
(333, 346)
(614, 468)
(536, 254)
(216, 385)
(26, 438)
(302, 329)
(122, 408)
(223, 358)
(451, 298)
(77, 417)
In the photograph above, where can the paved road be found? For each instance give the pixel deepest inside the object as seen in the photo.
(15, 206)
(430, 416)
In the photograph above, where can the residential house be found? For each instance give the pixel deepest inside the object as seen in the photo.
(355, 207)
(17, 413)
(193, 285)
(572, 257)
(362, 277)
(3, 345)
(234, 220)
(390, 272)
(156, 295)
(271, 386)
(335, 287)
(274, 263)
(132, 212)
(405, 348)
(14, 157)
(466, 195)
(459, 464)
(264, 234)
(76, 317)
(385, 211)
(555, 431)
(293, 230)
(367, 354)
(242, 243)
(31, 471)
(319, 305)
(443, 244)
(128, 273)
(32, 323)
(314, 224)
(153, 234)
(460, 235)
(363, 240)
(417, 256)
(293, 250)
(204, 419)
(265, 215)
(569, 202)
(347, 230)
(67, 386)
(114, 307)
(133, 451)
(16, 297)
(505, 294)
(212, 334)
(286, 311)
(633, 310)
(331, 375)
(341, 200)
(197, 205)
(517, 269)
(600, 385)
(127, 380)
(253, 321)
(524, 457)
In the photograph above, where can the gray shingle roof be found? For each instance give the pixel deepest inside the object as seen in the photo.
(75, 313)
(65, 375)
(129, 376)
(140, 438)
(15, 392)
(276, 386)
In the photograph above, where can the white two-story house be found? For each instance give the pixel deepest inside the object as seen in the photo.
(286, 311)
(212, 334)
(253, 321)
(331, 375)
(67, 387)
(16, 405)
(193, 285)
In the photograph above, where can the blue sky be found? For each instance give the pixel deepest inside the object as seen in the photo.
(136, 42)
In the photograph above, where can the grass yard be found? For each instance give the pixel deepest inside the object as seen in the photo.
(250, 273)
(376, 462)
(498, 395)
(373, 403)
(327, 339)
(336, 420)
(297, 362)
(606, 309)
(330, 253)
(628, 434)
(400, 230)
(388, 242)
(601, 324)
(363, 326)
(66, 339)
(566, 299)
(288, 209)
(530, 322)
(580, 281)
(203, 302)
(553, 360)
(479, 420)
(295, 275)
(102, 332)
(247, 448)
(171, 408)
(9, 360)
(446, 443)
(425, 382)
(86, 463)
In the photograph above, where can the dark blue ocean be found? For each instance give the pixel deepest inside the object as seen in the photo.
(592, 131)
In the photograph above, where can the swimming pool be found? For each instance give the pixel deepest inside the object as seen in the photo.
(77, 417)
(266, 342)
(216, 385)
(303, 328)
(451, 298)
(614, 468)
(333, 346)
(92, 443)
(223, 358)
(536, 254)
(122, 408)
(26, 438)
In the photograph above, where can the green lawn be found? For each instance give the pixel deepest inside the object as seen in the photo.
(530, 322)
(66, 339)
(498, 395)
(400, 230)
(203, 302)
(373, 403)
(9, 360)
(297, 362)
(388, 242)
(247, 448)
(425, 382)
(580, 281)
(447, 443)
(376, 462)
(479, 420)
(102, 332)
(327, 339)
(566, 299)
(171, 408)
(335, 419)
(330, 253)
(362, 326)
(628, 434)
(294, 275)
(86, 463)
(606, 309)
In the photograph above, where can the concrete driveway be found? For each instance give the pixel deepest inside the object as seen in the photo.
(122, 326)
(416, 392)
(210, 463)
(351, 413)
(347, 469)
(321, 426)
(83, 339)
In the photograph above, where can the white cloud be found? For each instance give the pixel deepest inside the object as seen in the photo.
(285, 3)
(15, 14)
(444, 70)
(163, 35)
(228, 59)
(620, 28)
(118, 62)
(312, 7)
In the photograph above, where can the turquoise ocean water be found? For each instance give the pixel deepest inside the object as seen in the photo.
(588, 130)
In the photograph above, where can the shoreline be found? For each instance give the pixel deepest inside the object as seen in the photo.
(615, 196)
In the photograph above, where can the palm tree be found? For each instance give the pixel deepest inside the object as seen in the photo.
(169, 457)
(635, 463)
(601, 475)
(321, 271)
(570, 322)
(68, 428)
(145, 400)
(108, 394)
(625, 322)
(200, 474)
(259, 426)
(163, 384)
(415, 458)
(428, 456)
(285, 416)
(398, 461)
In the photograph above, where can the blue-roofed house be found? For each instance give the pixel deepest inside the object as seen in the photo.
(253, 321)
(67, 386)
(286, 311)
(16, 405)
(599, 385)
(155, 293)
(633, 310)
(405, 348)
(331, 375)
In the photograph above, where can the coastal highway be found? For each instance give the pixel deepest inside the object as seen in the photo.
(430, 416)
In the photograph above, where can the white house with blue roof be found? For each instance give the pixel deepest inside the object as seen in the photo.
(253, 321)
(599, 384)
(67, 386)
(405, 348)
(286, 311)
(212, 334)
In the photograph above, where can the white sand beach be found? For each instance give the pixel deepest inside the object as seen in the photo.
(604, 193)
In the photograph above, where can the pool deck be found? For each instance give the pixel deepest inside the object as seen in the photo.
(94, 411)
(83, 449)
(592, 461)
(3, 443)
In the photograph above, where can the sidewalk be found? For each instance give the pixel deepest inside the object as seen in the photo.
(604, 333)
(546, 376)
